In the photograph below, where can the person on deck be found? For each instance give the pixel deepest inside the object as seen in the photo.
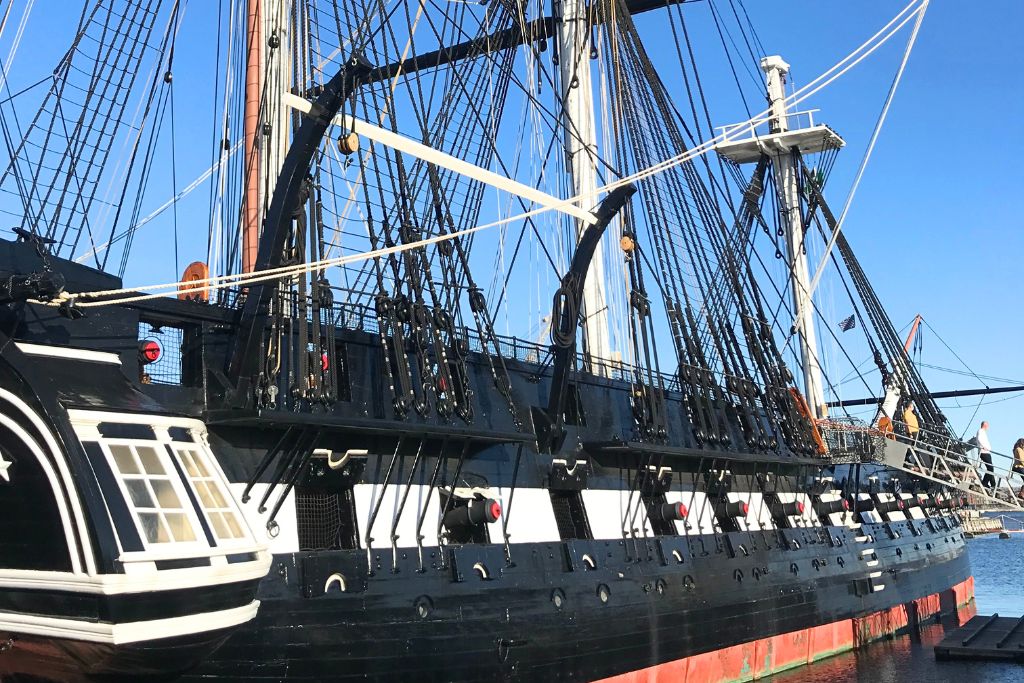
(1018, 463)
(1018, 456)
(911, 423)
(985, 451)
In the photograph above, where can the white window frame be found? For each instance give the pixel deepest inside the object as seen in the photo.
(86, 423)
(200, 543)
(216, 477)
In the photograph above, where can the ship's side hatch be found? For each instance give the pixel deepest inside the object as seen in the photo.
(325, 506)
(565, 485)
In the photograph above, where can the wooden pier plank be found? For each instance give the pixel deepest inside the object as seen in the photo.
(985, 637)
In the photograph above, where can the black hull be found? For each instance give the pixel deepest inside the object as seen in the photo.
(558, 602)
(38, 658)
(508, 628)
(66, 639)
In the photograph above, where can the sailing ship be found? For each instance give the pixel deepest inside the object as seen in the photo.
(334, 449)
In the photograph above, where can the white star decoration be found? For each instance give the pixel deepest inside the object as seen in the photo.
(4, 466)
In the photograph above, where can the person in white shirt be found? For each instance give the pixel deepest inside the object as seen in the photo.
(985, 451)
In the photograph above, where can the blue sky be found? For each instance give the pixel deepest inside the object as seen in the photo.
(936, 222)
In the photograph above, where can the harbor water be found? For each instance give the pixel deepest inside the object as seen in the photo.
(998, 566)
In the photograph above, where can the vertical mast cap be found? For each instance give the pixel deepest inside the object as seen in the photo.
(773, 63)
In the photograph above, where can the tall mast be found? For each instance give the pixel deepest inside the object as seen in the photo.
(786, 181)
(266, 122)
(578, 122)
(277, 69)
(252, 206)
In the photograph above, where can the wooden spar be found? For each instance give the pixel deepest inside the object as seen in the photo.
(253, 88)
(444, 160)
(536, 30)
(913, 331)
(934, 394)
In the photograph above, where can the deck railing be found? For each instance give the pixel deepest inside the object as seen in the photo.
(938, 457)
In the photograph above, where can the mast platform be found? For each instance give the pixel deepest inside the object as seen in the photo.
(985, 637)
(811, 140)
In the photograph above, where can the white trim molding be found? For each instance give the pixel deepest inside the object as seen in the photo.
(68, 353)
(65, 476)
(140, 582)
(132, 632)
(65, 517)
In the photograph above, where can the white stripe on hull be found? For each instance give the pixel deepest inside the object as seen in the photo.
(132, 632)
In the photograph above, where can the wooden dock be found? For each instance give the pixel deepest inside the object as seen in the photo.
(983, 637)
(976, 525)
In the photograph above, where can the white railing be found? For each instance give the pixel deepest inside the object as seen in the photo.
(734, 132)
(932, 456)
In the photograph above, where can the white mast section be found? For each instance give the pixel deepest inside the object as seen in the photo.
(786, 175)
(277, 51)
(581, 153)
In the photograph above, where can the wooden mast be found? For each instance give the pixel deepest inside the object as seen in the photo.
(251, 213)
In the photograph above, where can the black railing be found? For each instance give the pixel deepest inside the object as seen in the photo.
(363, 318)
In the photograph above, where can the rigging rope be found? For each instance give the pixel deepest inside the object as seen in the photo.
(871, 145)
(185, 191)
(984, 378)
(955, 355)
(798, 96)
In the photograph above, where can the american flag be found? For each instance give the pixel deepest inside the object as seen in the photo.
(847, 324)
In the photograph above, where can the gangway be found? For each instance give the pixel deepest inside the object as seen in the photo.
(927, 455)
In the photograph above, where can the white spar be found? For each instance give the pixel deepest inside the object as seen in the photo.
(439, 158)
